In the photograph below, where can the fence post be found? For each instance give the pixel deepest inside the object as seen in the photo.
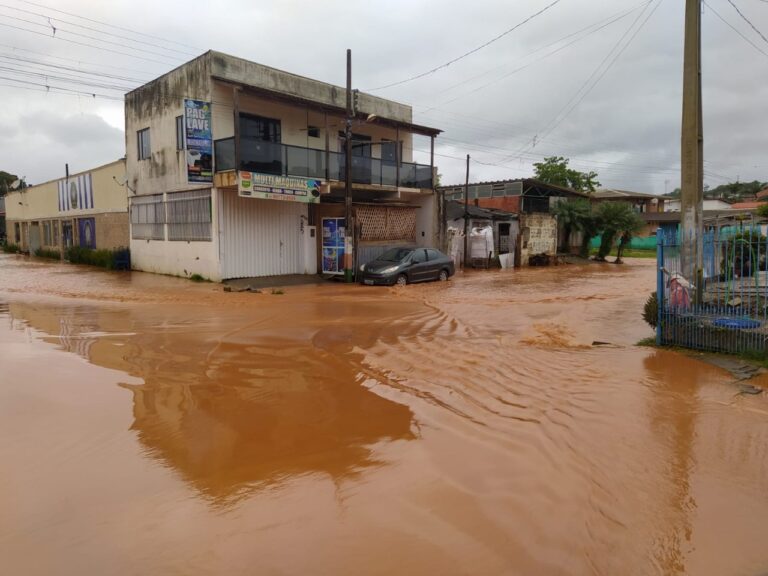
(659, 282)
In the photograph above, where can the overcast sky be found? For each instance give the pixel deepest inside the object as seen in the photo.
(550, 87)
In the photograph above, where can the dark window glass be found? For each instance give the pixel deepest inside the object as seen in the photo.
(143, 143)
(179, 132)
(419, 256)
(433, 254)
(258, 128)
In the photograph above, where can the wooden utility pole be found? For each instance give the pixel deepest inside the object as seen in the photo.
(348, 272)
(466, 217)
(692, 149)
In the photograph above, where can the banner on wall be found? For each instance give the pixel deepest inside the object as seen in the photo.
(76, 193)
(333, 245)
(198, 138)
(271, 187)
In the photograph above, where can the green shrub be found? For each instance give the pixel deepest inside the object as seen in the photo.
(197, 278)
(48, 253)
(651, 310)
(11, 248)
(108, 259)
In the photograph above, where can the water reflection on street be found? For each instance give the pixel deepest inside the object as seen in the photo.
(151, 425)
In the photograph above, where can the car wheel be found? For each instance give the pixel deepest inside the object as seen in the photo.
(443, 276)
(402, 280)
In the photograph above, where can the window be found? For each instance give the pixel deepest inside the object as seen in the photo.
(47, 239)
(189, 215)
(313, 131)
(143, 143)
(419, 256)
(389, 150)
(148, 217)
(179, 132)
(433, 254)
(260, 149)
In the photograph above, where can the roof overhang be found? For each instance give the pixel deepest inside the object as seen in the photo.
(326, 108)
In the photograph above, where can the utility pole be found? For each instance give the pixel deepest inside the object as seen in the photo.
(692, 150)
(466, 217)
(348, 261)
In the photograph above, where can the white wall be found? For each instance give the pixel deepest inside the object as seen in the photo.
(426, 222)
(180, 257)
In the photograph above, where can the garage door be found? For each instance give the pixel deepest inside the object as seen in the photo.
(260, 237)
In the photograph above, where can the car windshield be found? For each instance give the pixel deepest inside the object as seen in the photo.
(395, 254)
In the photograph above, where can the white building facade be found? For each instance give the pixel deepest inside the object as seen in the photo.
(237, 170)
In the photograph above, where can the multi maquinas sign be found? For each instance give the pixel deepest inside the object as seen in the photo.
(271, 187)
(199, 140)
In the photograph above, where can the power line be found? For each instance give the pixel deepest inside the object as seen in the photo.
(49, 87)
(85, 44)
(601, 25)
(17, 49)
(488, 43)
(732, 27)
(62, 30)
(55, 19)
(748, 21)
(110, 25)
(43, 66)
(598, 74)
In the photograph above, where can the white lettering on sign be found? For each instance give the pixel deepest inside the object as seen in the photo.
(197, 123)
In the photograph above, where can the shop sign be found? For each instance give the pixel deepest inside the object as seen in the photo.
(198, 138)
(271, 187)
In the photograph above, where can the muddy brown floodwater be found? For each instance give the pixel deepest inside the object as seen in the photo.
(149, 425)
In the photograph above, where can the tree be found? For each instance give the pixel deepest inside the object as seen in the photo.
(571, 215)
(762, 210)
(6, 180)
(591, 226)
(554, 170)
(618, 219)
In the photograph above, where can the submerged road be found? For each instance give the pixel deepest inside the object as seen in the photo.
(149, 425)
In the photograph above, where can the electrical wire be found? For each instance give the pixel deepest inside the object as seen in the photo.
(748, 21)
(600, 71)
(601, 25)
(56, 31)
(69, 23)
(477, 49)
(29, 2)
(85, 44)
(732, 27)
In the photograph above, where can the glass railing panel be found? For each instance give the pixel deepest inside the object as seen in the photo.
(224, 150)
(261, 156)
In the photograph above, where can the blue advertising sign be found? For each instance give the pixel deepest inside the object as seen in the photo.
(199, 140)
(333, 245)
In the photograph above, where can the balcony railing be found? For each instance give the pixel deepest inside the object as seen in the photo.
(285, 160)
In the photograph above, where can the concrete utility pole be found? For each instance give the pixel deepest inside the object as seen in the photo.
(348, 272)
(692, 149)
(466, 217)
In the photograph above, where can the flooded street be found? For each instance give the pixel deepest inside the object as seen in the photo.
(150, 425)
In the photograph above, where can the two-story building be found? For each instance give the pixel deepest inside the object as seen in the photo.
(87, 209)
(237, 170)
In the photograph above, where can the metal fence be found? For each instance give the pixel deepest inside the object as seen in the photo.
(721, 305)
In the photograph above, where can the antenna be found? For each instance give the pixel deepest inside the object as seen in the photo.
(123, 181)
(15, 184)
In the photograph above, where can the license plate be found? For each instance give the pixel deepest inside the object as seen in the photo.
(368, 282)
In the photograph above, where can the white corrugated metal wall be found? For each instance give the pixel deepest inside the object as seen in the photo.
(260, 237)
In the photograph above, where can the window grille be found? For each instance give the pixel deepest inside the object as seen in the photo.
(148, 217)
(189, 215)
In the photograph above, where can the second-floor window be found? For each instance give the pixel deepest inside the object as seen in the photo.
(143, 142)
(179, 132)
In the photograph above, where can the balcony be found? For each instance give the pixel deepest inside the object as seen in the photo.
(285, 160)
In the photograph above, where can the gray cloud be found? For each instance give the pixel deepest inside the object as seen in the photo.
(627, 128)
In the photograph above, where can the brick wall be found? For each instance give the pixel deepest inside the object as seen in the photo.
(112, 230)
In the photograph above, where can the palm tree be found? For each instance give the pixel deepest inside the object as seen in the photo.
(619, 219)
(571, 215)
